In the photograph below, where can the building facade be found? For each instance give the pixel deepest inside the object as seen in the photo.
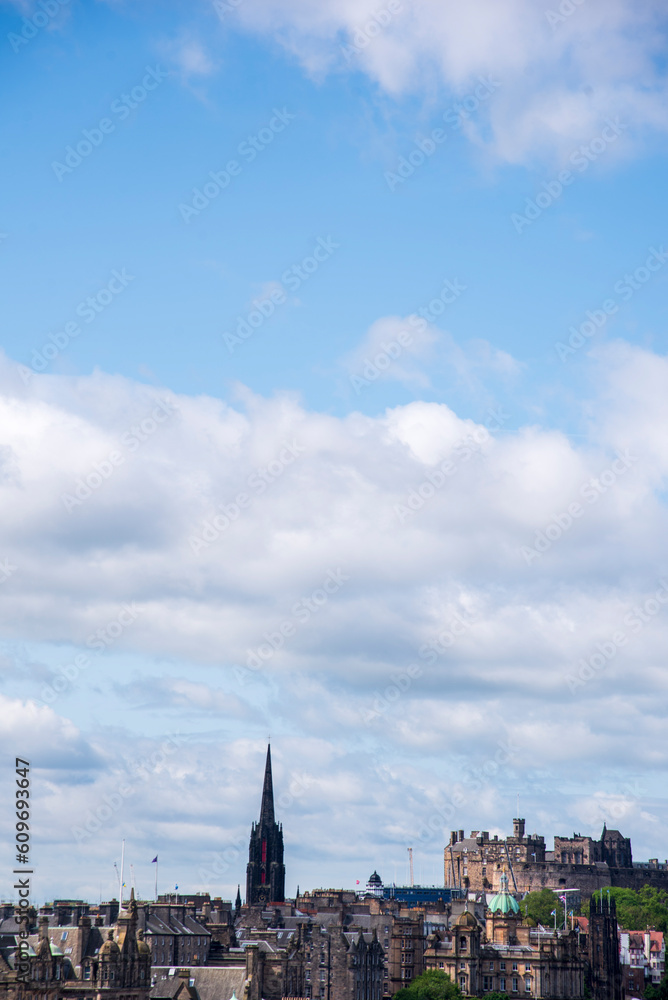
(505, 955)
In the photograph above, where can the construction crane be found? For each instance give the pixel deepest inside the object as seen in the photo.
(410, 862)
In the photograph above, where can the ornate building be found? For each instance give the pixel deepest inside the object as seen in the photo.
(65, 964)
(265, 872)
(508, 956)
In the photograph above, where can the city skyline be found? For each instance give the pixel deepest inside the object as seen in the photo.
(333, 401)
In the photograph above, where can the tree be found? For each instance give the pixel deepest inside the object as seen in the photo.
(659, 992)
(496, 996)
(638, 909)
(431, 985)
(538, 906)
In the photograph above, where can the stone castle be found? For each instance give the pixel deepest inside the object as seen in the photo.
(477, 862)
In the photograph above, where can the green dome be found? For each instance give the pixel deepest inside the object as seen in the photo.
(503, 902)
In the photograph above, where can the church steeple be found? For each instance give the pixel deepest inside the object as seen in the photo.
(267, 807)
(265, 872)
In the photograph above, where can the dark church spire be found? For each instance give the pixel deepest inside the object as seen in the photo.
(267, 807)
(265, 871)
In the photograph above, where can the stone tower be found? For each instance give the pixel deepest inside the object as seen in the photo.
(265, 872)
(605, 971)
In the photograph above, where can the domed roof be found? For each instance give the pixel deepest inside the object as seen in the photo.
(142, 947)
(375, 879)
(466, 919)
(110, 947)
(503, 902)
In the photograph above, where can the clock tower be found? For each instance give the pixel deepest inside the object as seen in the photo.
(265, 872)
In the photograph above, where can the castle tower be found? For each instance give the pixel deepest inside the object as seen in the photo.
(265, 872)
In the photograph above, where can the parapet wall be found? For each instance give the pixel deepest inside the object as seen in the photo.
(533, 876)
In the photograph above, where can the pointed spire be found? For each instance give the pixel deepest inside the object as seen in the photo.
(237, 904)
(267, 808)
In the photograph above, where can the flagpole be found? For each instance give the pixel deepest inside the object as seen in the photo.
(120, 906)
(156, 881)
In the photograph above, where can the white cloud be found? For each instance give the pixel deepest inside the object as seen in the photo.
(558, 79)
(307, 598)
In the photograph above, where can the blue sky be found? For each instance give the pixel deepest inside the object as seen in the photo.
(425, 324)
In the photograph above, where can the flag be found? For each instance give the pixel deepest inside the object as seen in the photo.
(357, 881)
(553, 913)
(175, 888)
(154, 860)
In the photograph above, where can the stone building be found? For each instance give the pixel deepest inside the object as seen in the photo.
(476, 862)
(81, 962)
(265, 872)
(506, 955)
(612, 849)
(578, 862)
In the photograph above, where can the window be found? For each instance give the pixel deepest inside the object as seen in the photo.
(486, 983)
(515, 985)
(502, 984)
(502, 966)
(527, 966)
(441, 965)
(462, 983)
(462, 965)
(491, 966)
(63, 936)
(86, 971)
(462, 943)
(514, 966)
(527, 984)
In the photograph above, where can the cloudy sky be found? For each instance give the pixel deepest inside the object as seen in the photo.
(333, 403)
